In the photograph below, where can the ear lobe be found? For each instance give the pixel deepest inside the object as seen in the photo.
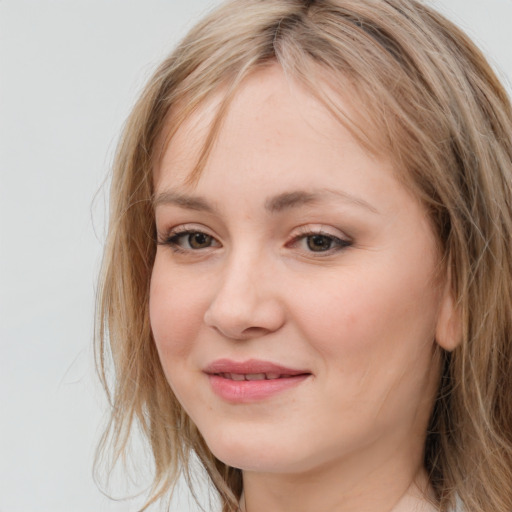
(449, 322)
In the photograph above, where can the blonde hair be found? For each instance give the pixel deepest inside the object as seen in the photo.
(440, 112)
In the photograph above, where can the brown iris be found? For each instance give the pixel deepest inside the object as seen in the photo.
(318, 243)
(199, 240)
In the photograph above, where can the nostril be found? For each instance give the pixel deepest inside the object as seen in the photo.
(245, 334)
(252, 332)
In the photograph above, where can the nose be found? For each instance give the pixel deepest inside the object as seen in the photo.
(246, 303)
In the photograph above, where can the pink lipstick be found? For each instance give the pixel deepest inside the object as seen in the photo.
(252, 380)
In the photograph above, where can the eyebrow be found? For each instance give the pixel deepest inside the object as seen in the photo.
(288, 200)
(275, 204)
(184, 201)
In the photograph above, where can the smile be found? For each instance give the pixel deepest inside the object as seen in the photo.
(251, 381)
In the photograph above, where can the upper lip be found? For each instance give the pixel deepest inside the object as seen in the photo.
(251, 366)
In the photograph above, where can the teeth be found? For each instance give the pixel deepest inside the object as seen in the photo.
(250, 376)
(255, 376)
(236, 376)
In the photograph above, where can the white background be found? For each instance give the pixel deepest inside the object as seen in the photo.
(69, 73)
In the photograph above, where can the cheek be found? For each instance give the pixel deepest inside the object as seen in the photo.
(373, 326)
(175, 313)
(376, 344)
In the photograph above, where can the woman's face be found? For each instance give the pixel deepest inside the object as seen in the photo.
(293, 299)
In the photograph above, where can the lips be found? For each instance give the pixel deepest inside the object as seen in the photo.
(253, 380)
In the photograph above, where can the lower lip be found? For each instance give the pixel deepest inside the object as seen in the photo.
(245, 391)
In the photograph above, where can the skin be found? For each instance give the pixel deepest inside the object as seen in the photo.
(361, 316)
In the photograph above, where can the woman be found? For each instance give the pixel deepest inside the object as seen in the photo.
(307, 280)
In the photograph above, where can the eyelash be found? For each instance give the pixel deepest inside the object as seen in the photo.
(335, 243)
(172, 240)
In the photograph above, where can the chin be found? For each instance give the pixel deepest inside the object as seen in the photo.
(256, 454)
(249, 452)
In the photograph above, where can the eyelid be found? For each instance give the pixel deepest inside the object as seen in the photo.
(184, 228)
(321, 229)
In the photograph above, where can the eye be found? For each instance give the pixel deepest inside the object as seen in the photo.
(318, 241)
(189, 240)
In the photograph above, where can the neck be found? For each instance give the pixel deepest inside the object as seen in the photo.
(387, 490)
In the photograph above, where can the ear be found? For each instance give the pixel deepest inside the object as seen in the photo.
(449, 321)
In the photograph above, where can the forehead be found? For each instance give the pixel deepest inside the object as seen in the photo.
(284, 104)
